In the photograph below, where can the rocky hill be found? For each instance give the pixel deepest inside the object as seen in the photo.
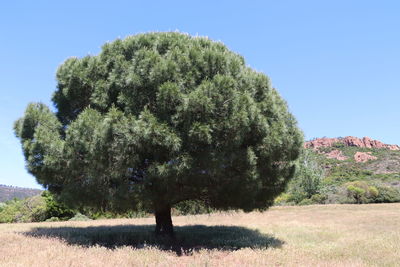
(351, 141)
(345, 170)
(10, 192)
(351, 158)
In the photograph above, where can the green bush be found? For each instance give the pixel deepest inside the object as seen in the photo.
(2, 205)
(372, 192)
(80, 217)
(306, 201)
(318, 198)
(357, 193)
(387, 195)
(282, 199)
(360, 192)
(53, 219)
(9, 211)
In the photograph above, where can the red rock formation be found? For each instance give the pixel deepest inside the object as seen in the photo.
(336, 154)
(353, 141)
(349, 141)
(321, 142)
(363, 156)
(369, 143)
(393, 147)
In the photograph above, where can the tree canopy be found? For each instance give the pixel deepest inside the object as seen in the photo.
(160, 118)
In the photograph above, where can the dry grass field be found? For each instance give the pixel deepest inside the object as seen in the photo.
(318, 235)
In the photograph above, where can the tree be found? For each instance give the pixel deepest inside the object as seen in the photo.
(55, 209)
(307, 180)
(157, 119)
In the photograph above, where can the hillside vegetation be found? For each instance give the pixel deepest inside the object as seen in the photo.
(316, 235)
(346, 170)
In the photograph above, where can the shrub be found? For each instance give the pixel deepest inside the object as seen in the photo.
(387, 195)
(318, 198)
(282, 199)
(53, 219)
(360, 192)
(2, 205)
(306, 201)
(373, 192)
(357, 193)
(80, 217)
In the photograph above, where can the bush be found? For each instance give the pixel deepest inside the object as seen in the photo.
(357, 193)
(282, 199)
(360, 192)
(2, 205)
(9, 211)
(53, 219)
(318, 198)
(80, 217)
(387, 195)
(296, 196)
(373, 192)
(306, 201)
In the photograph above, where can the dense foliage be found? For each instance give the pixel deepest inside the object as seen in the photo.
(157, 119)
(34, 209)
(31, 209)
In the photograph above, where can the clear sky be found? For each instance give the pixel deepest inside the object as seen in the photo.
(337, 63)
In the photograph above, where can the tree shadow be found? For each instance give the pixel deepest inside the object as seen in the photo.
(187, 238)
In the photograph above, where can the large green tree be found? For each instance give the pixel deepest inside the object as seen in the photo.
(160, 118)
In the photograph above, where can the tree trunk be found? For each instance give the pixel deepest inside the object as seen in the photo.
(164, 222)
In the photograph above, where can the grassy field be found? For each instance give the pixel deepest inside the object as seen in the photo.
(319, 235)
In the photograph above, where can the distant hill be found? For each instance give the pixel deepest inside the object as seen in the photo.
(10, 192)
(350, 158)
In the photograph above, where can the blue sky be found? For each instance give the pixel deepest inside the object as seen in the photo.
(337, 63)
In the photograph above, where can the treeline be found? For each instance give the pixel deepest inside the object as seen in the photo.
(45, 207)
(10, 192)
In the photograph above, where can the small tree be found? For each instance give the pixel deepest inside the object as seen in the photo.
(308, 177)
(159, 118)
